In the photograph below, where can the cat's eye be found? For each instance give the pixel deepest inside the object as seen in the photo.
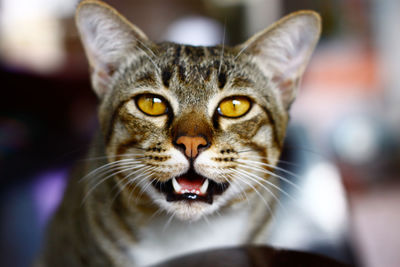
(234, 107)
(152, 105)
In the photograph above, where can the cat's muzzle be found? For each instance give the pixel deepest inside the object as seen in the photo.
(190, 186)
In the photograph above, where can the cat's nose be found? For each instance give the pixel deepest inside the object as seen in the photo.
(192, 144)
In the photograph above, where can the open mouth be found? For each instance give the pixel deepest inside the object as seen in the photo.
(190, 186)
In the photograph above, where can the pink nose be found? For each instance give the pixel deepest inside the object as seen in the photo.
(191, 144)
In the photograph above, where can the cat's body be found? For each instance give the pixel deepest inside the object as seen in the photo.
(188, 143)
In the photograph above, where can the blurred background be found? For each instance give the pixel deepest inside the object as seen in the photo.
(343, 143)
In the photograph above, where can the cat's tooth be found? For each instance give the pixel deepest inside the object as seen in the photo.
(176, 185)
(204, 187)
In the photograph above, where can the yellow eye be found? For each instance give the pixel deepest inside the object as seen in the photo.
(152, 105)
(234, 107)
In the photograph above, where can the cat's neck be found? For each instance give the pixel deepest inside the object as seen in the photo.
(165, 237)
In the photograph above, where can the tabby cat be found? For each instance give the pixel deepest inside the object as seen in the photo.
(189, 140)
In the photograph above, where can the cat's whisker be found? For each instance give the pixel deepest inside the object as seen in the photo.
(145, 175)
(156, 213)
(208, 223)
(148, 184)
(260, 169)
(218, 213)
(257, 163)
(241, 51)
(143, 172)
(258, 181)
(151, 172)
(167, 224)
(243, 180)
(244, 151)
(133, 147)
(126, 181)
(104, 179)
(308, 150)
(222, 172)
(241, 190)
(111, 169)
(239, 177)
(115, 156)
(105, 166)
(95, 171)
(280, 161)
(144, 188)
(151, 59)
(147, 48)
(266, 158)
(120, 186)
(258, 156)
(213, 229)
(110, 174)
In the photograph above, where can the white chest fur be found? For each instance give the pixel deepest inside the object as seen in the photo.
(161, 240)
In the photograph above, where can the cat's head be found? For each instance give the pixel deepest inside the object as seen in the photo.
(194, 129)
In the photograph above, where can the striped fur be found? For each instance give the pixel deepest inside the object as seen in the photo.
(115, 216)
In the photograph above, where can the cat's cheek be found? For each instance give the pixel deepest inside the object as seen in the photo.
(264, 138)
(177, 163)
(205, 166)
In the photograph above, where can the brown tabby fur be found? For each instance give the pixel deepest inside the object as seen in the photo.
(110, 217)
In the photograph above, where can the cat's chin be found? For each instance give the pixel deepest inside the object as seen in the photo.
(189, 211)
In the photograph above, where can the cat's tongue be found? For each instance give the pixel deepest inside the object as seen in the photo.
(195, 185)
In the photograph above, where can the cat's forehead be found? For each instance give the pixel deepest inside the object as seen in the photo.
(201, 58)
(195, 73)
(192, 75)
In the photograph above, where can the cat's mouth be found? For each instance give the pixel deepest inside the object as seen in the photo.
(190, 186)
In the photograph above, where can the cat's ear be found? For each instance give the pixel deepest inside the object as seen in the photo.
(108, 39)
(283, 50)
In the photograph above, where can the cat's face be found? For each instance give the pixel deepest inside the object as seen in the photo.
(194, 128)
(191, 123)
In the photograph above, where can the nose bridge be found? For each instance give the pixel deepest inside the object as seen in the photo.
(192, 132)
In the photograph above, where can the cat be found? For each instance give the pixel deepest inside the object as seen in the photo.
(188, 142)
